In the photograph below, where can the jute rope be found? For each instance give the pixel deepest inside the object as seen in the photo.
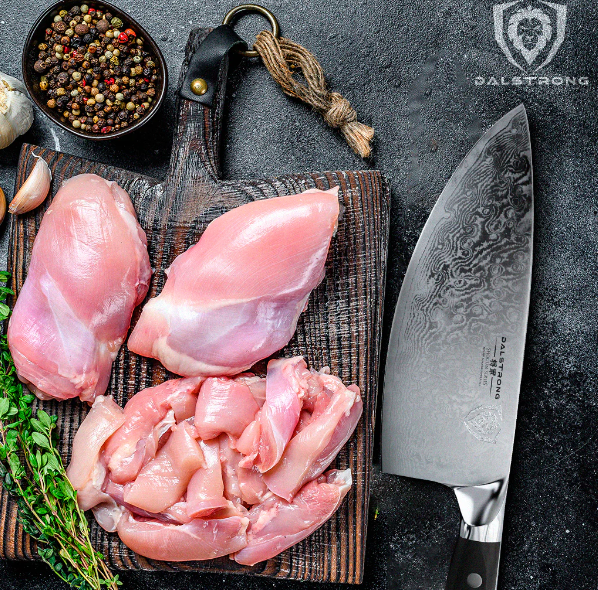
(282, 57)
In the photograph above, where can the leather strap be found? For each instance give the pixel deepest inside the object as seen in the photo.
(207, 60)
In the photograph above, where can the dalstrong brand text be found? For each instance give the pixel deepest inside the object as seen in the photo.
(531, 81)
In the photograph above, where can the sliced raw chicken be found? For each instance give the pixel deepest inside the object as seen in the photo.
(89, 269)
(287, 381)
(163, 481)
(149, 415)
(312, 449)
(235, 297)
(224, 405)
(205, 493)
(85, 472)
(196, 540)
(276, 525)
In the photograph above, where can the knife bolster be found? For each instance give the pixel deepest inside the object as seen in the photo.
(479, 505)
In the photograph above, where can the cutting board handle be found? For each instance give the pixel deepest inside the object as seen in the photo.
(195, 157)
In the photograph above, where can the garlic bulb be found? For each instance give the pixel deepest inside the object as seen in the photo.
(16, 110)
(34, 190)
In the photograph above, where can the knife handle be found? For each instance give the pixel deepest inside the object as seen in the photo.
(475, 561)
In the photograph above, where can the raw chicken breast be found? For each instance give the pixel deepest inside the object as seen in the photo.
(163, 481)
(85, 472)
(312, 449)
(196, 540)
(224, 405)
(89, 269)
(276, 524)
(148, 416)
(235, 297)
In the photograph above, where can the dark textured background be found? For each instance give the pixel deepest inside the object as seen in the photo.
(408, 68)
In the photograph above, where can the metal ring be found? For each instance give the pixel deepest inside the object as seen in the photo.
(247, 8)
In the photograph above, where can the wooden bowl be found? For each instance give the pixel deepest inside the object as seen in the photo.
(31, 78)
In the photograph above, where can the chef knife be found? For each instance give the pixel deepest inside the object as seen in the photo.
(455, 356)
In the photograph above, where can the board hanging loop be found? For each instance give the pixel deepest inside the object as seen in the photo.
(283, 58)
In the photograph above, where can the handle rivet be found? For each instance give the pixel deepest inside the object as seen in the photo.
(474, 580)
(199, 86)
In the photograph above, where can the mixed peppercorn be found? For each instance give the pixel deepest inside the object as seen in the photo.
(95, 71)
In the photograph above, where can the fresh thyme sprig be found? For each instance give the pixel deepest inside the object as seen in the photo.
(32, 471)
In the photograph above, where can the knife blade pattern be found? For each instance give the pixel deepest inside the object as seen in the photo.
(456, 351)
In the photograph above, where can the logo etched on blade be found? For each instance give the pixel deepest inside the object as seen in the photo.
(485, 423)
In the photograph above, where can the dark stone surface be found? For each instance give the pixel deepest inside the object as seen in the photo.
(409, 69)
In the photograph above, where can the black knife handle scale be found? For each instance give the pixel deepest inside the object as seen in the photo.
(474, 565)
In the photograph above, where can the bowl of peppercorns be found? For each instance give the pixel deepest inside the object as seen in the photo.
(93, 69)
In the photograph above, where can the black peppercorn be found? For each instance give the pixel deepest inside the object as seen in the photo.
(87, 39)
(76, 42)
(40, 67)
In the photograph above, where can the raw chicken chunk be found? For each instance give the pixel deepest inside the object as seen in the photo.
(235, 297)
(195, 540)
(89, 269)
(276, 524)
(312, 449)
(149, 415)
(224, 405)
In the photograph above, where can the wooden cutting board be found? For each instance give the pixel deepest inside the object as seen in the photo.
(341, 327)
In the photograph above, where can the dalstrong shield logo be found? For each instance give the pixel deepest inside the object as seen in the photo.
(530, 33)
(484, 423)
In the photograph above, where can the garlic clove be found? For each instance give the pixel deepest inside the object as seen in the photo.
(34, 190)
(16, 110)
(2, 205)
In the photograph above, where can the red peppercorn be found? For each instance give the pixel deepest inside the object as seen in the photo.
(123, 38)
(131, 33)
(106, 129)
(109, 81)
(91, 11)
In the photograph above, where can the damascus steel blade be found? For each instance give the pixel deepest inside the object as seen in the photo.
(455, 355)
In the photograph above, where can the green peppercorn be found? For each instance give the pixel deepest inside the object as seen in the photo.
(57, 18)
(87, 18)
(74, 92)
(116, 52)
(130, 106)
(84, 8)
(91, 102)
(43, 83)
(63, 13)
(120, 96)
(116, 22)
(76, 123)
(108, 54)
(69, 32)
(60, 92)
(99, 97)
(76, 76)
(110, 34)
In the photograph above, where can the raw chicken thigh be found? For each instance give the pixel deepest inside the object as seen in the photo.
(89, 269)
(195, 469)
(234, 298)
